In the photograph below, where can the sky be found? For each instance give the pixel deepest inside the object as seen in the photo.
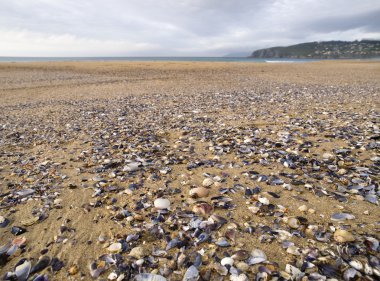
(177, 27)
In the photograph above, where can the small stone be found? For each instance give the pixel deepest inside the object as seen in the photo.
(162, 203)
(311, 211)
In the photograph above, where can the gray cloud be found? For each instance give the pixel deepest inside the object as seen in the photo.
(177, 27)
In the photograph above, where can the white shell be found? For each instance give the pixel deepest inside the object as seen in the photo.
(162, 203)
(115, 248)
(227, 261)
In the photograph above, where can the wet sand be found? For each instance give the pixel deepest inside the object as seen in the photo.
(70, 131)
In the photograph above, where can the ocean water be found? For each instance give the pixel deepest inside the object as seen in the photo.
(200, 59)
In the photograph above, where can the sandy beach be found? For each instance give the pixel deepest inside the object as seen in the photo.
(190, 170)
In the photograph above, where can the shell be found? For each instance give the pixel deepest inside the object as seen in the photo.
(162, 203)
(199, 192)
(149, 277)
(191, 274)
(227, 261)
(343, 236)
(115, 248)
(207, 182)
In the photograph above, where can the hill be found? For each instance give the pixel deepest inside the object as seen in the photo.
(323, 50)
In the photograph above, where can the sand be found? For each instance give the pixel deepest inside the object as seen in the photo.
(43, 102)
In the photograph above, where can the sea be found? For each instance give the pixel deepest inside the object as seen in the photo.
(173, 59)
(142, 59)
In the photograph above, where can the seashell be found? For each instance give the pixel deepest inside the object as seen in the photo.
(3, 222)
(73, 269)
(96, 269)
(162, 203)
(356, 264)
(41, 278)
(203, 237)
(132, 237)
(293, 250)
(222, 242)
(131, 167)
(222, 270)
(263, 200)
(22, 269)
(191, 274)
(257, 253)
(172, 244)
(218, 219)
(41, 264)
(17, 230)
(149, 277)
(302, 208)
(372, 243)
(342, 217)
(240, 277)
(294, 272)
(115, 247)
(343, 236)
(199, 192)
(230, 234)
(293, 223)
(203, 209)
(227, 261)
(207, 182)
(112, 276)
(372, 199)
(29, 221)
(25, 192)
(349, 274)
(367, 269)
(19, 241)
(329, 270)
(328, 156)
(56, 264)
(240, 255)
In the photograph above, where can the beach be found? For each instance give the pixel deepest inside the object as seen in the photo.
(190, 170)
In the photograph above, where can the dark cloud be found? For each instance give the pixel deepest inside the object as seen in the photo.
(178, 27)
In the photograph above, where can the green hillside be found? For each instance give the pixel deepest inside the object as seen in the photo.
(323, 50)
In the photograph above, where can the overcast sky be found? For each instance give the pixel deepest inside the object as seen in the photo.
(177, 27)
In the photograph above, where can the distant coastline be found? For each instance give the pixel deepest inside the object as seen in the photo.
(364, 49)
(160, 59)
